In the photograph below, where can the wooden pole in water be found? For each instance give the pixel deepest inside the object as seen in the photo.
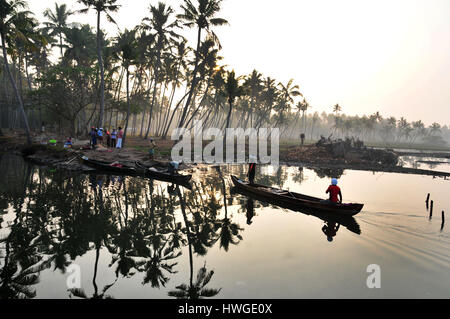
(431, 209)
(428, 198)
(443, 221)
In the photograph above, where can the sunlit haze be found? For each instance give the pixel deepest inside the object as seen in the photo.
(368, 56)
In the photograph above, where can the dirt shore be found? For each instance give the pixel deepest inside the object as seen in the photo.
(137, 148)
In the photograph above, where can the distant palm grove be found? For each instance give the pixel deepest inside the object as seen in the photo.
(150, 79)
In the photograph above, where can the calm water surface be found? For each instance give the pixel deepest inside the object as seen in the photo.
(137, 238)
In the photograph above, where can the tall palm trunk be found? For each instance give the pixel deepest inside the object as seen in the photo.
(16, 91)
(194, 79)
(228, 121)
(128, 108)
(157, 69)
(61, 44)
(150, 80)
(173, 114)
(102, 73)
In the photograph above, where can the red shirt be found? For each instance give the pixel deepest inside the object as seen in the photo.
(334, 192)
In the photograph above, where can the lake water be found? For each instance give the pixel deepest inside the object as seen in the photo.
(128, 237)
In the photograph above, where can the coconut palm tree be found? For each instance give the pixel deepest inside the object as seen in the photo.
(177, 74)
(58, 22)
(403, 127)
(126, 52)
(304, 107)
(14, 24)
(202, 16)
(81, 45)
(197, 289)
(315, 119)
(232, 90)
(435, 128)
(254, 85)
(164, 36)
(286, 99)
(100, 6)
(336, 109)
(229, 232)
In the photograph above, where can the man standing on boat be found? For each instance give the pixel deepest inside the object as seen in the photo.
(252, 169)
(334, 191)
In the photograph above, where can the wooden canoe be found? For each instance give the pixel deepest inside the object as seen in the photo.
(347, 221)
(165, 175)
(105, 166)
(297, 200)
(140, 170)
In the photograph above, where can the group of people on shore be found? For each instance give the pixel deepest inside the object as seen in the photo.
(99, 136)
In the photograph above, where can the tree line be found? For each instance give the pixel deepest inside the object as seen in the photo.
(148, 79)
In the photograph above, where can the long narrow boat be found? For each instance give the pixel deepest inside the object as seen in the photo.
(347, 221)
(297, 200)
(164, 175)
(108, 167)
(140, 170)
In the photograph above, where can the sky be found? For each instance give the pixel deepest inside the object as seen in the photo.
(368, 56)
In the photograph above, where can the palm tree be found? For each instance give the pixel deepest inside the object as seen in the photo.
(229, 232)
(198, 289)
(58, 22)
(202, 17)
(105, 6)
(126, 47)
(288, 92)
(435, 128)
(315, 119)
(13, 24)
(304, 107)
(286, 98)
(269, 95)
(164, 36)
(80, 45)
(337, 108)
(403, 126)
(254, 85)
(176, 73)
(232, 90)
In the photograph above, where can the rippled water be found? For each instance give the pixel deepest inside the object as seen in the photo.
(431, 163)
(137, 238)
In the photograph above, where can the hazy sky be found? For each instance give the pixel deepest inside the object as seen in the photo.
(368, 56)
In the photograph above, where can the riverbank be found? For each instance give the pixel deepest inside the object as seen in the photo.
(136, 150)
(367, 159)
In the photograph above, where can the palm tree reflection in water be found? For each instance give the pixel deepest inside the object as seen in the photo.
(140, 226)
(197, 289)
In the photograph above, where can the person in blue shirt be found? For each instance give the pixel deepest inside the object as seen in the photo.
(151, 152)
(100, 135)
(68, 143)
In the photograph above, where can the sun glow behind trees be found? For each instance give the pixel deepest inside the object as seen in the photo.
(363, 56)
